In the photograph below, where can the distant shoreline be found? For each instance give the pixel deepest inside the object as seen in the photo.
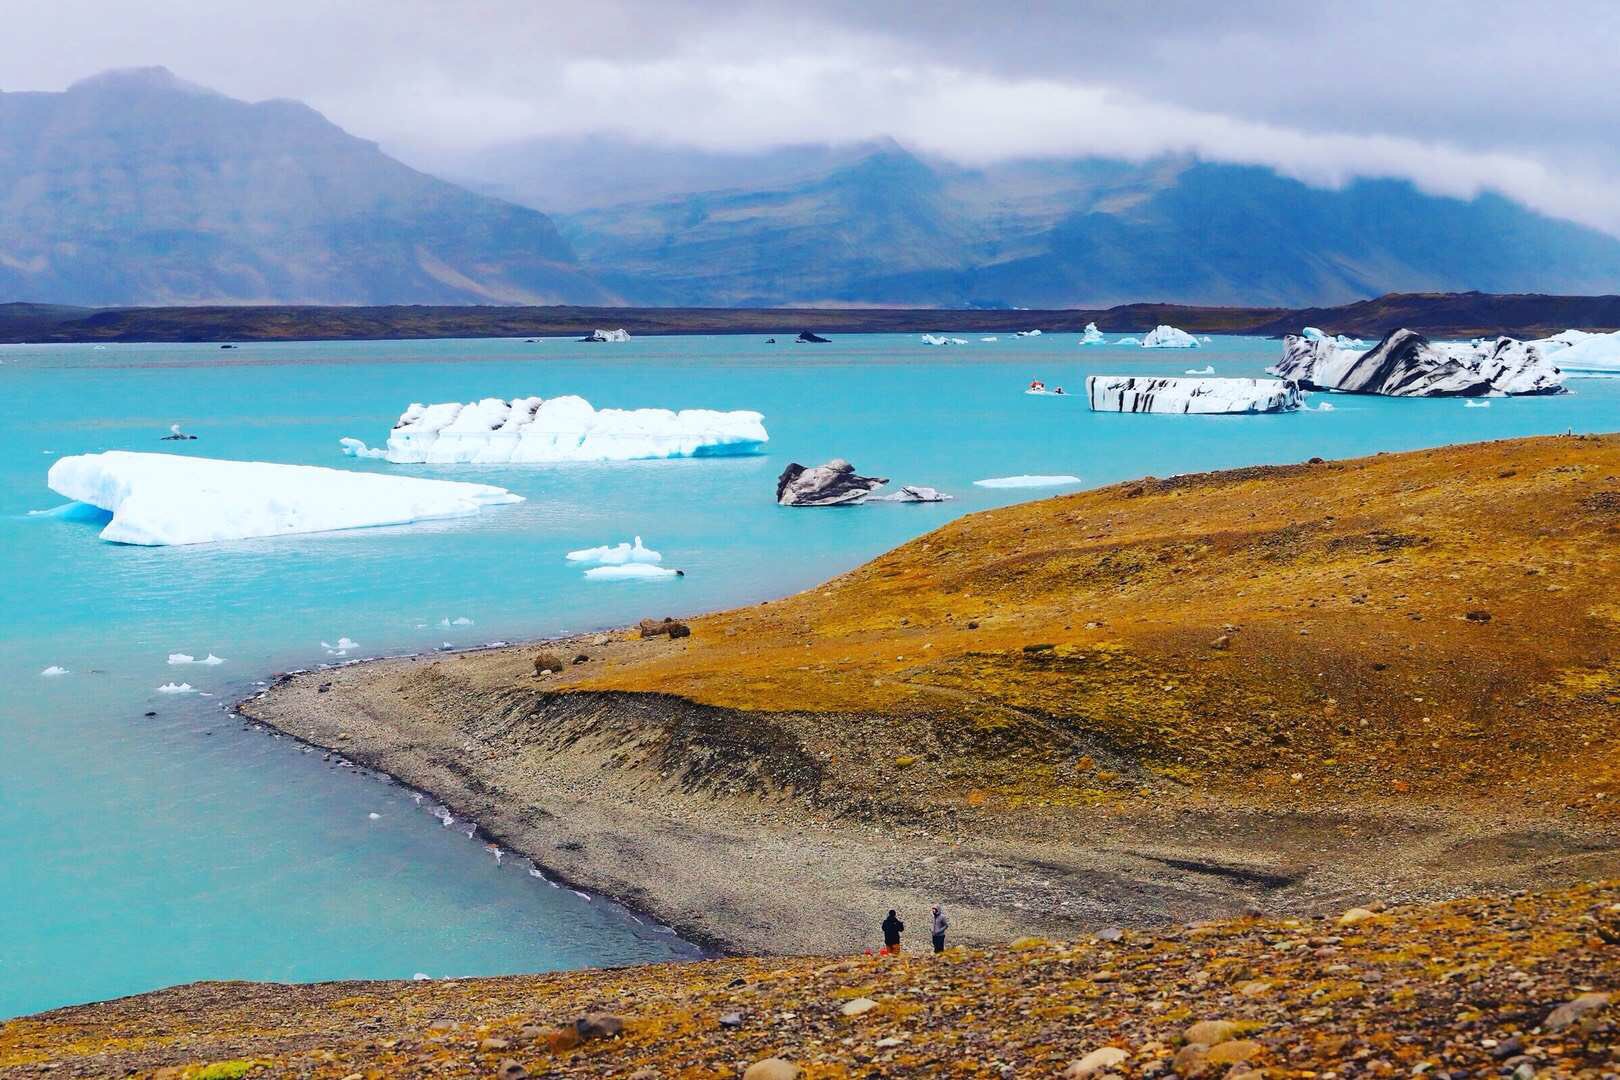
(1448, 314)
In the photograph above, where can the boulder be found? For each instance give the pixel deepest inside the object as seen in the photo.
(833, 484)
(773, 1068)
(547, 662)
(657, 628)
(1574, 1011)
(1105, 1057)
(1209, 1032)
(1232, 1052)
(858, 1006)
(598, 1026)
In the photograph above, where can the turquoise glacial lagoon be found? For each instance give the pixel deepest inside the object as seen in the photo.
(139, 851)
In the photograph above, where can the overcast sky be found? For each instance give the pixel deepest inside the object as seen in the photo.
(1520, 97)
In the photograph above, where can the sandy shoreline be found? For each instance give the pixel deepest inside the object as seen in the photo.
(739, 855)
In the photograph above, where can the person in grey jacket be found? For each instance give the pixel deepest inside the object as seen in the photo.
(941, 924)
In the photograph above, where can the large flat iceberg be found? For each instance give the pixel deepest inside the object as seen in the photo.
(1213, 397)
(537, 431)
(160, 499)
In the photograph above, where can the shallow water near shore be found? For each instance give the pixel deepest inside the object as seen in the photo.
(141, 851)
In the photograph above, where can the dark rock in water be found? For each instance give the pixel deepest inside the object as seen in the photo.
(832, 484)
(1407, 364)
(806, 337)
(177, 438)
(770, 341)
(227, 346)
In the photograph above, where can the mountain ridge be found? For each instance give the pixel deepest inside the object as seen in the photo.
(136, 186)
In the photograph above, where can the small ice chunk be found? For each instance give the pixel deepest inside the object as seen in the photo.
(1475, 403)
(422, 976)
(1326, 406)
(53, 671)
(175, 688)
(459, 620)
(186, 658)
(627, 571)
(616, 555)
(1207, 369)
(356, 449)
(1128, 341)
(1029, 333)
(987, 339)
(374, 816)
(1027, 481)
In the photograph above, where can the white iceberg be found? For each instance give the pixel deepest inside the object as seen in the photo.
(177, 658)
(175, 688)
(912, 493)
(1209, 397)
(1027, 481)
(988, 339)
(616, 555)
(1311, 333)
(1092, 335)
(1128, 341)
(1579, 353)
(607, 335)
(1029, 333)
(543, 430)
(160, 499)
(1207, 369)
(357, 449)
(935, 339)
(1168, 337)
(1476, 403)
(625, 571)
(54, 671)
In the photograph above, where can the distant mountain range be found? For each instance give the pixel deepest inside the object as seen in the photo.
(135, 187)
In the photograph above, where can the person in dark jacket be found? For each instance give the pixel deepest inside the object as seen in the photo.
(891, 932)
(941, 924)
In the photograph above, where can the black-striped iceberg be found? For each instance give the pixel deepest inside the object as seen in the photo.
(1407, 364)
(1207, 397)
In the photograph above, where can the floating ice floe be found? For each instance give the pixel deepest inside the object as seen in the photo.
(542, 430)
(54, 671)
(629, 571)
(342, 647)
(1131, 394)
(1311, 333)
(607, 335)
(186, 658)
(1207, 369)
(1168, 337)
(175, 688)
(1128, 341)
(459, 620)
(1580, 353)
(1027, 481)
(988, 339)
(935, 339)
(1207, 340)
(161, 499)
(1028, 333)
(374, 816)
(1407, 364)
(616, 554)
(1476, 403)
(1326, 406)
(356, 449)
(911, 493)
(1092, 335)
